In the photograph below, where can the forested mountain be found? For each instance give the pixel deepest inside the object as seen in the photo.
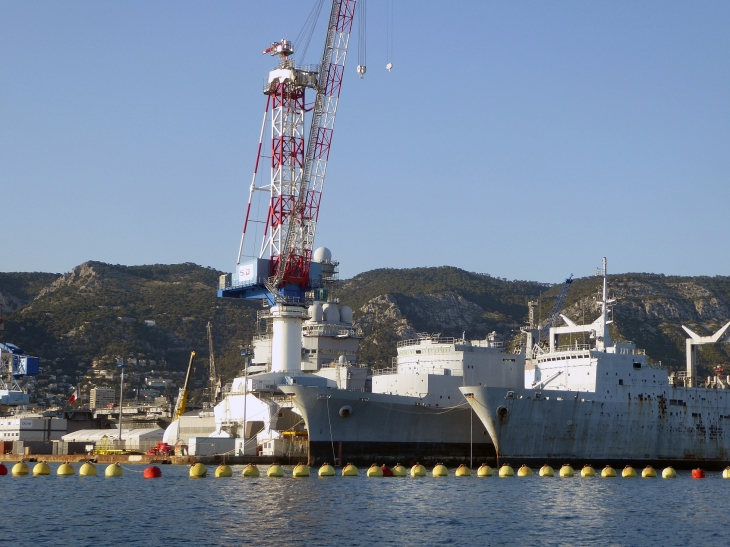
(102, 312)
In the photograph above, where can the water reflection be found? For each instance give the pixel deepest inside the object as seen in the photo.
(176, 510)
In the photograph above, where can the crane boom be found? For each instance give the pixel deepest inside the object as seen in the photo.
(213, 380)
(293, 264)
(182, 398)
(554, 316)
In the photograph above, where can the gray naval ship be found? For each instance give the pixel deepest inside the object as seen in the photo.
(603, 403)
(414, 411)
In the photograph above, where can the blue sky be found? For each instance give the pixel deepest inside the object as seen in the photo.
(522, 139)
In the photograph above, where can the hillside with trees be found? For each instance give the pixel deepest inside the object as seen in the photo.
(99, 313)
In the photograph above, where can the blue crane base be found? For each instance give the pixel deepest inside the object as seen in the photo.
(292, 294)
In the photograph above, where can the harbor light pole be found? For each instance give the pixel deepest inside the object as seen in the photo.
(121, 396)
(246, 361)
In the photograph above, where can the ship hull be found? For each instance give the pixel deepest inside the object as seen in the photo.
(362, 428)
(683, 427)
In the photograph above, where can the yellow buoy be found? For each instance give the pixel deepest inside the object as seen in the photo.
(506, 471)
(198, 471)
(223, 470)
(648, 473)
(587, 471)
(418, 471)
(440, 471)
(725, 472)
(300, 470)
(463, 471)
(608, 471)
(400, 471)
(375, 471)
(484, 471)
(20, 469)
(524, 471)
(113, 470)
(326, 470)
(567, 471)
(251, 471)
(350, 471)
(670, 473)
(628, 472)
(88, 469)
(275, 470)
(65, 469)
(41, 468)
(547, 471)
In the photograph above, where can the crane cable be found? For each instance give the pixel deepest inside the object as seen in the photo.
(362, 38)
(305, 34)
(389, 35)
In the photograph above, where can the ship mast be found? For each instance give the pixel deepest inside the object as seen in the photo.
(603, 337)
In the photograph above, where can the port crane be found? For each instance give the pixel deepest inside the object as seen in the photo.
(214, 382)
(14, 365)
(279, 270)
(182, 397)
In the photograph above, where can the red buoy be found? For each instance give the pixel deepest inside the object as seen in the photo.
(698, 473)
(152, 472)
(387, 472)
(3, 469)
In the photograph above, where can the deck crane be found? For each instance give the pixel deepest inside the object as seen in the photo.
(280, 271)
(535, 333)
(553, 317)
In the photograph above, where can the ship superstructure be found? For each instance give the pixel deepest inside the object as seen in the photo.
(415, 411)
(604, 402)
(253, 407)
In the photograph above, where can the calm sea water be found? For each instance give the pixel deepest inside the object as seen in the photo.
(464, 511)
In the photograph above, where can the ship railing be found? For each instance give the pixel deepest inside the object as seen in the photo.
(418, 370)
(433, 340)
(449, 340)
(332, 330)
(573, 347)
(335, 364)
(242, 284)
(384, 371)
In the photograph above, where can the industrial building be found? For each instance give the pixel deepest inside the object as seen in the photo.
(102, 397)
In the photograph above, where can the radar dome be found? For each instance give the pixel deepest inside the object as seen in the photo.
(346, 314)
(322, 254)
(315, 312)
(331, 313)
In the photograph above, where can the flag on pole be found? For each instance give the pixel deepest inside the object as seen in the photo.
(74, 396)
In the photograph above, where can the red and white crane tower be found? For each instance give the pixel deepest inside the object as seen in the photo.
(279, 269)
(297, 168)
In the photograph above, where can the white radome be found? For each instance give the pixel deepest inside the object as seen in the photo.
(322, 254)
